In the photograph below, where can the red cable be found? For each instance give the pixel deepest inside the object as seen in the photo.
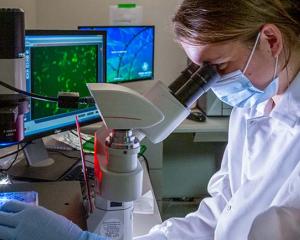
(86, 180)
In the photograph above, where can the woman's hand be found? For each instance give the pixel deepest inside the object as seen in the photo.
(20, 221)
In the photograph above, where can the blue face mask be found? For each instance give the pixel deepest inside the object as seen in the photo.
(236, 90)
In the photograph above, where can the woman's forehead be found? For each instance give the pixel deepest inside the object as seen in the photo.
(211, 52)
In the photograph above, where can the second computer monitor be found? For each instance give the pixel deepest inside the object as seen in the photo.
(130, 52)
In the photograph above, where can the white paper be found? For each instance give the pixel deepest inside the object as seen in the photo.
(144, 204)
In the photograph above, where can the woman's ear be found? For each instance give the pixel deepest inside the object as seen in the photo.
(273, 37)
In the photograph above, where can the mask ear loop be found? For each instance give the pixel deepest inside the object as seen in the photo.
(288, 79)
(252, 52)
(276, 67)
(275, 73)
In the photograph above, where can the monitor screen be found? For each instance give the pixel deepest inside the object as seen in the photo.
(61, 61)
(130, 52)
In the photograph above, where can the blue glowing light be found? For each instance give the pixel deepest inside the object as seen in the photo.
(8, 144)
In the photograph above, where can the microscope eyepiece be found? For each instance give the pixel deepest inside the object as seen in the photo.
(183, 77)
(197, 83)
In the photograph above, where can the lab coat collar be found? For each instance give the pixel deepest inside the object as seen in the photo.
(288, 108)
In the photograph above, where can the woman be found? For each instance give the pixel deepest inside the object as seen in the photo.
(255, 46)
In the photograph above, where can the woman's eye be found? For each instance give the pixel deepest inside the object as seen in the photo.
(221, 66)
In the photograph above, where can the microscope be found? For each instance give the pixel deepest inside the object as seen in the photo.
(129, 117)
(13, 105)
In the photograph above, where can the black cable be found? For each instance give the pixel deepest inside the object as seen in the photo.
(147, 166)
(89, 162)
(68, 156)
(14, 152)
(76, 135)
(16, 157)
(32, 95)
(146, 161)
(64, 154)
(83, 100)
(9, 154)
(87, 140)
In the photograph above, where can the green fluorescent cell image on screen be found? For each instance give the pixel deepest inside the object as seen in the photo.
(61, 69)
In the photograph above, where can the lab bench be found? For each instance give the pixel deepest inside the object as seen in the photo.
(65, 198)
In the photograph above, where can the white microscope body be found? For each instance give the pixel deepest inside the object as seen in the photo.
(128, 117)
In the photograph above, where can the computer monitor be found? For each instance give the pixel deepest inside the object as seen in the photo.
(130, 52)
(59, 61)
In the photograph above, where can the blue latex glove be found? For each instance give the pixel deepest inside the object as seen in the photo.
(20, 221)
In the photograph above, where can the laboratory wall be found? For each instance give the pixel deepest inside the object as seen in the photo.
(29, 7)
(68, 14)
(169, 57)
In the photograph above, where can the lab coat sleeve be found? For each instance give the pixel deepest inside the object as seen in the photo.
(201, 224)
(277, 223)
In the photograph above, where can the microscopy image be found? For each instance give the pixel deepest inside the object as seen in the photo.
(61, 69)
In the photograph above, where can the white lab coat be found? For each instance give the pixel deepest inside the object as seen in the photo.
(258, 184)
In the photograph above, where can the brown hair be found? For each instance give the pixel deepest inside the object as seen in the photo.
(212, 21)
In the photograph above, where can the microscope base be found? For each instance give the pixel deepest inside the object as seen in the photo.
(116, 222)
